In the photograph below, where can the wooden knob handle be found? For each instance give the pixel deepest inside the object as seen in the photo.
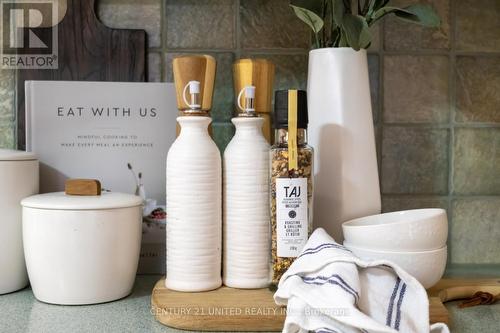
(83, 187)
(199, 68)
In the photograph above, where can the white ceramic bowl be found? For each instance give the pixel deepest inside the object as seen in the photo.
(82, 249)
(408, 230)
(426, 266)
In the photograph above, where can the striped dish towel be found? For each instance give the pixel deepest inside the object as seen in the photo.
(329, 290)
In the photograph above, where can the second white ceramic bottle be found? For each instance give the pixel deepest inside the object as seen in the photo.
(194, 184)
(246, 201)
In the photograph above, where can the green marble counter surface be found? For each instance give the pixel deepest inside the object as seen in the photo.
(21, 312)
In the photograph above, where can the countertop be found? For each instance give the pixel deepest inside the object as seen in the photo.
(21, 312)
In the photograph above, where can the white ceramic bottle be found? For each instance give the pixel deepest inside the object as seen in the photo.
(194, 192)
(246, 201)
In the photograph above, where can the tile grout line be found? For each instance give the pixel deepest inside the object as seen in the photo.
(251, 51)
(380, 119)
(237, 29)
(451, 120)
(163, 39)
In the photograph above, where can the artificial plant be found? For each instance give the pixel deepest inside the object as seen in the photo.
(346, 23)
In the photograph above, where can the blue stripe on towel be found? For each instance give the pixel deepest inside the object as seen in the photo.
(330, 281)
(326, 330)
(391, 302)
(338, 277)
(322, 247)
(398, 308)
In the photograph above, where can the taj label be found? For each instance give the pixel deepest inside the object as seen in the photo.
(291, 216)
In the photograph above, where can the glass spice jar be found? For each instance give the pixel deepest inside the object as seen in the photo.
(291, 181)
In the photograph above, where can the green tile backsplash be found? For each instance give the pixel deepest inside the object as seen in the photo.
(477, 25)
(475, 231)
(414, 160)
(416, 89)
(196, 24)
(435, 95)
(478, 89)
(391, 203)
(476, 161)
(270, 24)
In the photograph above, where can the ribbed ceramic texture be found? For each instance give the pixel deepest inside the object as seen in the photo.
(341, 132)
(246, 207)
(194, 209)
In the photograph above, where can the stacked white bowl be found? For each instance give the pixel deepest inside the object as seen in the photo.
(414, 239)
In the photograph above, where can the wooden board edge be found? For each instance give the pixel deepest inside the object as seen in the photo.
(208, 323)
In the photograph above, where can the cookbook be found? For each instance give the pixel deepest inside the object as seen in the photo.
(97, 129)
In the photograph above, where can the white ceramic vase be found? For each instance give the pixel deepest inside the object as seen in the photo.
(246, 207)
(194, 209)
(341, 132)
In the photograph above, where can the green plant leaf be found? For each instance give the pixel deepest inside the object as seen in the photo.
(342, 40)
(356, 31)
(421, 14)
(313, 20)
(378, 14)
(376, 5)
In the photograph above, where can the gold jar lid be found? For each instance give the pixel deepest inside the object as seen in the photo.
(190, 69)
(258, 73)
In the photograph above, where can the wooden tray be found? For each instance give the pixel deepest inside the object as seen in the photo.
(228, 309)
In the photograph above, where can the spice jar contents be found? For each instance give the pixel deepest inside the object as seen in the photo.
(295, 232)
(291, 182)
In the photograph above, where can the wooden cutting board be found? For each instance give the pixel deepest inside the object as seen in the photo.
(228, 309)
(88, 51)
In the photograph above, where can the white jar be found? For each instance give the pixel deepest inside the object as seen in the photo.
(82, 249)
(194, 209)
(246, 207)
(18, 179)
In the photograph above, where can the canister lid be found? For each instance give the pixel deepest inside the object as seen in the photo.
(16, 155)
(61, 201)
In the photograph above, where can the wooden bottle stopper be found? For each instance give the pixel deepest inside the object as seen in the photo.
(258, 73)
(199, 68)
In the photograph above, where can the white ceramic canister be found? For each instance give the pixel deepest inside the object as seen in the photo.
(82, 249)
(18, 180)
(194, 208)
(246, 207)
